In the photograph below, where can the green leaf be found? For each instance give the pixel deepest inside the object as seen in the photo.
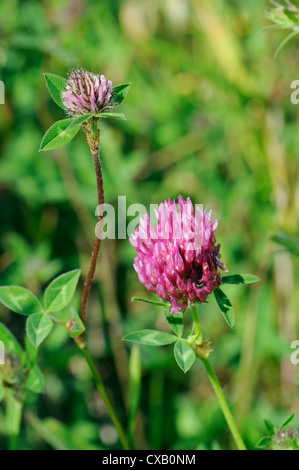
(270, 427)
(32, 352)
(225, 307)
(293, 444)
(77, 122)
(288, 421)
(264, 442)
(240, 279)
(75, 325)
(273, 28)
(153, 302)
(119, 93)
(176, 322)
(38, 326)
(35, 380)
(10, 342)
(184, 355)
(151, 338)
(20, 300)
(55, 86)
(109, 115)
(59, 134)
(61, 291)
(291, 16)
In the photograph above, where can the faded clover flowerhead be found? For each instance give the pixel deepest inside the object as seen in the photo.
(286, 439)
(86, 97)
(87, 92)
(177, 258)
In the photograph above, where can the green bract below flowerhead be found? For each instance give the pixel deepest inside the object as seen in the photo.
(84, 95)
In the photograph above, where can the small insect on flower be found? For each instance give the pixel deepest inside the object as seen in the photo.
(178, 258)
(87, 92)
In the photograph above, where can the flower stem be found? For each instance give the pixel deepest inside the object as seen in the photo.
(101, 388)
(13, 419)
(216, 384)
(196, 322)
(223, 404)
(93, 138)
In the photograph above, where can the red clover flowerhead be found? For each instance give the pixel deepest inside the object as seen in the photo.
(177, 258)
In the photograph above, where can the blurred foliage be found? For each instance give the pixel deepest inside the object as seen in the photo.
(289, 241)
(284, 16)
(208, 116)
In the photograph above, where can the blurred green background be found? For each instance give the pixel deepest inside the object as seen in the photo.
(208, 116)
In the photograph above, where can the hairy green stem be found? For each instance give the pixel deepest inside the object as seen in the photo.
(215, 382)
(110, 407)
(93, 138)
(196, 322)
(223, 404)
